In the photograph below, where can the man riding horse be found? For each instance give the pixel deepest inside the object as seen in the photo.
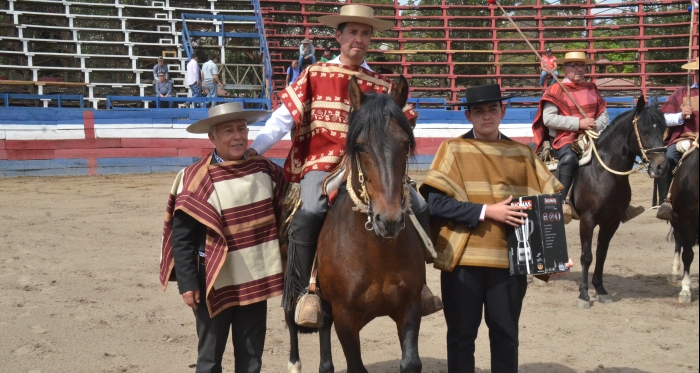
(319, 104)
(559, 120)
(681, 116)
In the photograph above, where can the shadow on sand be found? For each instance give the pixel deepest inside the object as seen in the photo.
(636, 286)
(431, 365)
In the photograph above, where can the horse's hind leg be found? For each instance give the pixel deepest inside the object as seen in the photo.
(605, 234)
(294, 364)
(347, 327)
(688, 239)
(586, 232)
(408, 326)
(676, 267)
(324, 336)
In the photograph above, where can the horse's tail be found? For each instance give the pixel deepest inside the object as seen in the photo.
(669, 236)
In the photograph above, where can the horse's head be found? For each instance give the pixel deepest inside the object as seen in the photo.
(650, 127)
(380, 140)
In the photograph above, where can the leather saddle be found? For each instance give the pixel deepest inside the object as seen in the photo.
(581, 146)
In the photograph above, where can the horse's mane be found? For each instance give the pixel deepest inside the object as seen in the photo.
(647, 118)
(370, 119)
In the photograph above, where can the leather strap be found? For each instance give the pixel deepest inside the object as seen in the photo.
(314, 273)
(424, 236)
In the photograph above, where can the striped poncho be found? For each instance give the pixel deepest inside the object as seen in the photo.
(240, 203)
(483, 172)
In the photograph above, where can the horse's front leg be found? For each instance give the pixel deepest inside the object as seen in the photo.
(605, 234)
(408, 325)
(586, 232)
(294, 364)
(347, 326)
(324, 336)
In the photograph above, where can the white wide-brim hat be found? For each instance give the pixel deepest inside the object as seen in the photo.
(695, 65)
(576, 57)
(225, 113)
(356, 14)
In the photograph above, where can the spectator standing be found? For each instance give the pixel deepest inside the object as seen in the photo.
(164, 87)
(548, 66)
(210, 77)
(292, 73)
(192, 77)
(307, 53)
(328, 55)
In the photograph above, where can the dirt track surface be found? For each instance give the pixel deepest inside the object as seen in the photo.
(79, 273)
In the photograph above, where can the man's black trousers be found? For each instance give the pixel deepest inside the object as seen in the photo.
(247, 325)
(467, 291)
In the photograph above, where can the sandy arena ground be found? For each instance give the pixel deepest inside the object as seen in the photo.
(79, 273)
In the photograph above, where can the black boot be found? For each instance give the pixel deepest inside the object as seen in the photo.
(665, 209)
(303, 234)
(568, 165)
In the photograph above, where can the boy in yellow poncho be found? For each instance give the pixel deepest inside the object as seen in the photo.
(469, 188)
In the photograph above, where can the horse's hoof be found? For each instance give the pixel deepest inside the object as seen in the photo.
(584, 304)
(604, 298)
(673, 279)
(294, 368)
(684, 298)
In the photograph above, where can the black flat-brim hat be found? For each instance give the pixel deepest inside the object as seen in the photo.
(483, 94)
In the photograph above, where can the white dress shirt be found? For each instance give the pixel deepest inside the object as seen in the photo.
(281, 122)
(192, 75)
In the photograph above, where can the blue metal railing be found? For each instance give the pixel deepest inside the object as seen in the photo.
(186, 45)
(267, 91)
(161, 102)
(6, 97)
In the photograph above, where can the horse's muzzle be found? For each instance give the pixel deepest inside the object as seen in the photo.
(388, 228)
(657, 168)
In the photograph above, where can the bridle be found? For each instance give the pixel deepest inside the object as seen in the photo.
(660, 149)
(592, 136)
(363, 204)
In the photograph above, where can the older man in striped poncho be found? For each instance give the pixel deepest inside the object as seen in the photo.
(220, 238)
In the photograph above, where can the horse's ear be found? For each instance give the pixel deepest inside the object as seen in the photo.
(356, 95)
(641, 103)
(401, 93)
(655, 102)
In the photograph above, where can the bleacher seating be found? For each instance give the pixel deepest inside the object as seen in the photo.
(111, 46)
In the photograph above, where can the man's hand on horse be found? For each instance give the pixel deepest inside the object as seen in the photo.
(251, 152)
(503, 212)
(587, 124)
(687, 110)
(191, 298)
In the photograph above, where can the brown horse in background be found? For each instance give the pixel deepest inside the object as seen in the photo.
(684, 198)
(369, 265)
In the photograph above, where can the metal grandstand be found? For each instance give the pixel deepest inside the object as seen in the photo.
(108, 47)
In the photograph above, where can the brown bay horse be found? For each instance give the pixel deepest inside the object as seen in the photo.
(601, 197)
(371, 261)
(684, 198)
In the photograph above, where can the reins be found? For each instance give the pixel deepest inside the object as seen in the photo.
(592, 136)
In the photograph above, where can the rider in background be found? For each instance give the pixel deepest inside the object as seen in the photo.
(559, 120)
(319, 103)
(682, 122)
